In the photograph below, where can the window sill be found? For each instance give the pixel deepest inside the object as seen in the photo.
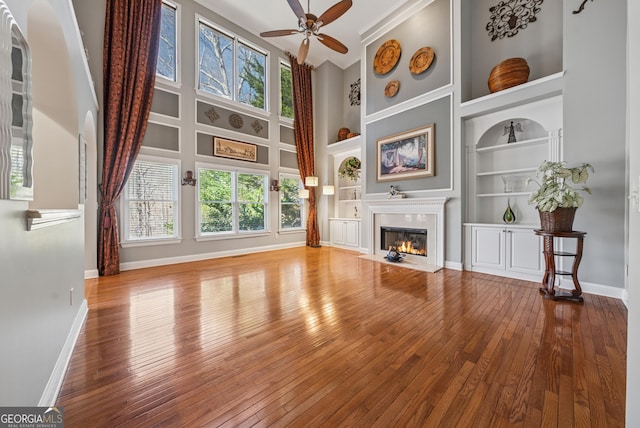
(150, 242)
(224, 237)
(292, 231)
(38, 219)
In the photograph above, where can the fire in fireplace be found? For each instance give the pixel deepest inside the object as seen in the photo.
(407, 241)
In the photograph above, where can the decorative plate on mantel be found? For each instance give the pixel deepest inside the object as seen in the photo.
(421, 60)
(387, 57)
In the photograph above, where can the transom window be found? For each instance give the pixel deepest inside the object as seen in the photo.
(231, 202)
(231, 68)
(286, 91)
(151, 201)
(167, 51)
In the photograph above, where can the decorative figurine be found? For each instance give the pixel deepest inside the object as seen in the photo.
(511, 130)
(393, 255)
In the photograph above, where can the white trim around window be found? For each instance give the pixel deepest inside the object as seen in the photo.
(234, 232)
(161, 80)
(172, 201)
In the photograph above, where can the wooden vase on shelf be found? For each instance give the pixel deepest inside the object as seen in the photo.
(508, 73)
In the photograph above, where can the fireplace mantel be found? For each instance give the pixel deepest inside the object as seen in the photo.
(431, 206)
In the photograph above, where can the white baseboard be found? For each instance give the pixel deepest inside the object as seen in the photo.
(91, 273)
(453, 265)
(52, 389)
(625, 298)
(597, 289)
(205, 256)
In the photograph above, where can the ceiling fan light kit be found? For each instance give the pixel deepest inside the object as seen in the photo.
(309, 25)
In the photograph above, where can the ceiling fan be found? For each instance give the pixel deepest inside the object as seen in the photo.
(309, 25)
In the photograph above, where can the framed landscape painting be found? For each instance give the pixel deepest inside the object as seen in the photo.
(406, 155)
(235, 149)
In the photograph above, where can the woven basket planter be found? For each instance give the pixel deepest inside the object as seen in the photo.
(560, 220)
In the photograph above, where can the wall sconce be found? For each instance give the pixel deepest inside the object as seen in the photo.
(311, 181)
(303, 194)
(328, 190)
(188, 179)
(275, 186)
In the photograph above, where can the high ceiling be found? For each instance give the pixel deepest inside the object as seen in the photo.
(264, 15)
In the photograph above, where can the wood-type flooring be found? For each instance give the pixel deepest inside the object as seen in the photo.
(310, 337)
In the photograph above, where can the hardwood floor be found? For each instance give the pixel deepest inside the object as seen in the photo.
(318, 337)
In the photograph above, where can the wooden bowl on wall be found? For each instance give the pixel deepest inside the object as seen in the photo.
(508, 73)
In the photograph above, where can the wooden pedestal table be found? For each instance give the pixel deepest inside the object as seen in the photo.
(550, 272)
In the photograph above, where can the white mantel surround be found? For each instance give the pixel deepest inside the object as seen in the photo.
(418, 213)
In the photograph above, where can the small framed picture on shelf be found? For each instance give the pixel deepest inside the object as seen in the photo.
(406, 155)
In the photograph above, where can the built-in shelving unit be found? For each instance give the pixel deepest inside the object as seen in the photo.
(345, 223)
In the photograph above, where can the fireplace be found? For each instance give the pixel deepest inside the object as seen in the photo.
(423, 215)
(406, 241)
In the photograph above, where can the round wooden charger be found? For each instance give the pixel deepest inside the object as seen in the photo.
(387, 56)
(391, 89)
(421, 60)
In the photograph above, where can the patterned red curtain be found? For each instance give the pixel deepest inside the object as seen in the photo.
(303, 131)
(131, 39)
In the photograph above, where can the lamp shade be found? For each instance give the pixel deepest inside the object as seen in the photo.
(311, 181)
(303, 194)
(328, 190)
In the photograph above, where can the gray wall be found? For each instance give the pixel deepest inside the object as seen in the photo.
(594, 131)
(429, 27)
(195, 128)
(351, 113)
(438, 113)
(540, 44)
(39, 268)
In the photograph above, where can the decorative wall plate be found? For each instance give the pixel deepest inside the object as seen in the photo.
(421, 60)
(387, 56)
(236, 121)
(391, 89)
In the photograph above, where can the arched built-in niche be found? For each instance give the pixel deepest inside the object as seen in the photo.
(55, 114)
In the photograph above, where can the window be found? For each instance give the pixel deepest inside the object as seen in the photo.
(230, 68)
(286, 91)
(150, 201)
(231, 202)
(291, 206)
(167, 63)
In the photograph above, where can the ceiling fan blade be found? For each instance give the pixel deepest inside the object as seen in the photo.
(304, 50)
(297, 9)
(334, 12)
(277, 33)
(332, 43)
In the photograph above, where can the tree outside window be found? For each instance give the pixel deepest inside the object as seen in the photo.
(286, 91)
(291, 206)
(166, 66)
(151, 201)
(219, 55)
(231, 202)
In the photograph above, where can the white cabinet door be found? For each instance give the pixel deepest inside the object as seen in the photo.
(524, 250)
(337, 232)
(488, 247)
(351, 233)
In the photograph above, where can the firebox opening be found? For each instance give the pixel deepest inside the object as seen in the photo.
(407, 241)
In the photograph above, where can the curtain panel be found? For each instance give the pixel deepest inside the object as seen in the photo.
(131, 40)
(303, 131)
